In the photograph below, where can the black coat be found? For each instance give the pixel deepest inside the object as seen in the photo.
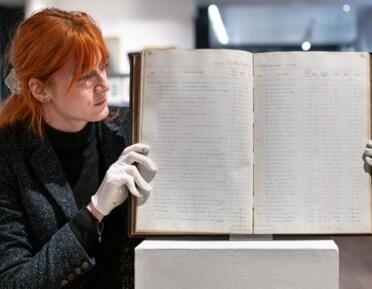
(38, 250)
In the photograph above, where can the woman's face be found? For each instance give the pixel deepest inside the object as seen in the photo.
(86, 100)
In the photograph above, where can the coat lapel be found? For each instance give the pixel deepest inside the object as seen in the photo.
(114, 136)
(44, 162)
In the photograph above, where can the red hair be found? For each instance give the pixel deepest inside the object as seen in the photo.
(43, 44)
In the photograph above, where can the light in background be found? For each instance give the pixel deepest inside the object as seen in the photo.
(306, 45)
(287, 27)
(308, 36)
(217, 24)
(346, 8)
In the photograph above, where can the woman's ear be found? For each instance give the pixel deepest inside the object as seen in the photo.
(39, 90)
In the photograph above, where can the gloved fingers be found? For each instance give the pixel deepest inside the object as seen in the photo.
(369, 161)
(130, 184)
(139, 180)
(137, 147)
(134, 157)
(369, 143)
(368, 152)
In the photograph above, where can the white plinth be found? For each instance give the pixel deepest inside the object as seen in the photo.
(236, 265)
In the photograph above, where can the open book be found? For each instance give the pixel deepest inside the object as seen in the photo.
(265, 143)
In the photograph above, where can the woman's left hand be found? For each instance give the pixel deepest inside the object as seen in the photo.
(368, 153)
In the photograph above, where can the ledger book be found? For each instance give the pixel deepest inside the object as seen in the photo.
(264, 143)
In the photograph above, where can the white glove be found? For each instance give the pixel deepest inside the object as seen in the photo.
(123, 176)
(368, 153)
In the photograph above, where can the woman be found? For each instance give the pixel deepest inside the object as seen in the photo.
(64, 172)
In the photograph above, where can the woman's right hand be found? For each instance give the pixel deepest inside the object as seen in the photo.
(122, 177)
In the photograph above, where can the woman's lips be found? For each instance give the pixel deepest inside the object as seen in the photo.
(101, 101)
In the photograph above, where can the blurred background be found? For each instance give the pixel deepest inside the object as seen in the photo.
(255, 25)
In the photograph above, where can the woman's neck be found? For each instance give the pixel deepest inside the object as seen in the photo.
(64, 124)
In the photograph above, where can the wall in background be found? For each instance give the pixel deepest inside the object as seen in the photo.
(9, 18)
(138, 24)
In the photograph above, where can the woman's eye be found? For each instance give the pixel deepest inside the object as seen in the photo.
(94, 73)
(86, 77)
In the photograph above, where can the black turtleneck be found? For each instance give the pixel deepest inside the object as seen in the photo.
(79, 157)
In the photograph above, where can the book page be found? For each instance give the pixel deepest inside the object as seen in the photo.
(311, 126)
(197, 116)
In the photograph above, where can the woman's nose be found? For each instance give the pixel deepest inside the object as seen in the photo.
(103, 86)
